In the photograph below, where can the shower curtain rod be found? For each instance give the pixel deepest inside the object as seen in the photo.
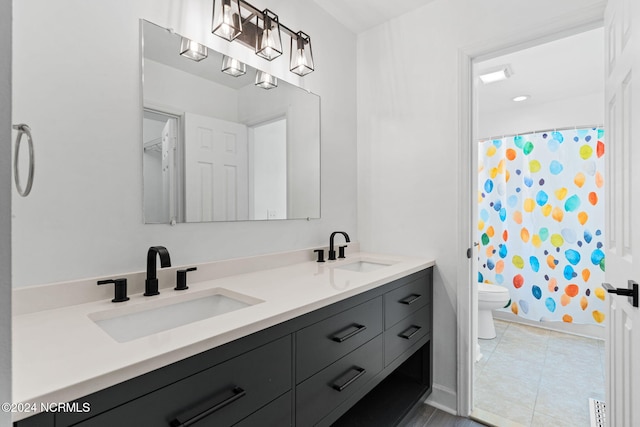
(542, 131)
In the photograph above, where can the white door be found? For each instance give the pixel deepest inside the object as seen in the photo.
(622, 123)
(268, 170)
(216, 180)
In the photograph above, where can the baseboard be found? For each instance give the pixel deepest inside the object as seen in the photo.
(443, 398)
(589, 331)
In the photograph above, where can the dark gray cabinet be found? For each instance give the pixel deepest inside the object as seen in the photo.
(221, 395)
(400, 337)
(319, 395)
(324, 342)
(404, 300)
(336, 365)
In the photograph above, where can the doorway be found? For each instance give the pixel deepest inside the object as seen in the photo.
(160, 160)
(536, 118)
(268, 170)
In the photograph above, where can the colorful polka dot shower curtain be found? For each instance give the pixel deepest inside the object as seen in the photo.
(541, 223)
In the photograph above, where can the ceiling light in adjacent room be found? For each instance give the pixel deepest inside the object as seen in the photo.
(521, 98)
(495, 76)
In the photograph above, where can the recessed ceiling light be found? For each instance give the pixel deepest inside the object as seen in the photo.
(521, 98)
(502, 73)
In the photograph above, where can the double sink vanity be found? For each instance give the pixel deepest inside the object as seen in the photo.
(304, 343)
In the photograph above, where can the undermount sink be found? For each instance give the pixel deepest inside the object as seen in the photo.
(362, 266)
(136, 321)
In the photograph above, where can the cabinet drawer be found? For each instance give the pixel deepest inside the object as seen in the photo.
(322, 343)
(405, 300)
(323, 392)
(275, 414)
(405, 333)
(227, 392)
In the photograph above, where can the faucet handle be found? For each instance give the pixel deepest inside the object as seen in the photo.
(320, 253)
(341, 251)
(120, 289)
(181, 280)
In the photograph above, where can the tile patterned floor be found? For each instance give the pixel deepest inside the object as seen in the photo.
(428, 416)
(536, 377)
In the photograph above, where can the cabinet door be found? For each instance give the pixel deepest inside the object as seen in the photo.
(219, 396)
(327, 389)
(39, 420)
(405, 300)
(404, 334)
(322, 343)
(275, 414)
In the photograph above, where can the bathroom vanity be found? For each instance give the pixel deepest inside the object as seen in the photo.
(351, 345)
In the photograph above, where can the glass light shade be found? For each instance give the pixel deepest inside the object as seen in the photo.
(301, 61)
(268, 40)
(232, 66)
(193, 50)
(227, 22)
(265, 80)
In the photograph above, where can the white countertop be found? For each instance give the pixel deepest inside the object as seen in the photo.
(60, 354)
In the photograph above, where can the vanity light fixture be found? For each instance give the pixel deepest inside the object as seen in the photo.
(227, 21)
(268, 40)
(193, 50)
(233, 67)
(234, 20)
(301, 60)
(265, 80)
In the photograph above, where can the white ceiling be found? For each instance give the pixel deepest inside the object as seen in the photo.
(561, 69)
(564, 68)
(360, 15)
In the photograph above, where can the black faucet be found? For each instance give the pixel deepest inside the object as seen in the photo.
(332, 252)
(151, 284)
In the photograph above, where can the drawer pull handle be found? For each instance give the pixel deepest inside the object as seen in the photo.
(186, 419)
(410, 299)
(357, 330)
(409, 333)
(340, 386)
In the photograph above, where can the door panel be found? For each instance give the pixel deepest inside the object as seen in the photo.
(216, 164)
(623, 320)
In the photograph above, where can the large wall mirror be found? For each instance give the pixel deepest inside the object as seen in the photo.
(220, 148)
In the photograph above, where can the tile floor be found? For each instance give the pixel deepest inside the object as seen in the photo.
(428, 416)
(536, 377)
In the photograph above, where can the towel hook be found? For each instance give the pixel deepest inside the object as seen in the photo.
(23, 129)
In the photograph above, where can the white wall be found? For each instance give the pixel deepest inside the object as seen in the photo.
(578, 111)
(6, 183)
(84, 218)
(188, 92)
(268, 157)
(408, 148)
(303, 148)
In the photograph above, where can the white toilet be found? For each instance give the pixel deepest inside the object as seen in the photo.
(490, 297)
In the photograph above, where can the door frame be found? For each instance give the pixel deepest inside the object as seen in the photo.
(586, 19)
